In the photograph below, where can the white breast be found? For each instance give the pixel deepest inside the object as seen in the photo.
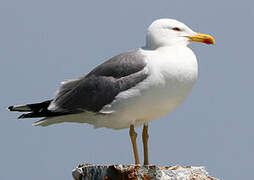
(173, 72)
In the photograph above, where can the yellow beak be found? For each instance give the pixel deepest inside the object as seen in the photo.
(204, 38)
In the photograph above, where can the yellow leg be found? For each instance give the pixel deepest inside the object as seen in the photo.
(145, 140)
(133, 136)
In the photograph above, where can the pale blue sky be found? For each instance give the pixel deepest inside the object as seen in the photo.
(44, 42)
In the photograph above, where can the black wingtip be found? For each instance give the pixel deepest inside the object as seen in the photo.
(10, 108)
(22, 116)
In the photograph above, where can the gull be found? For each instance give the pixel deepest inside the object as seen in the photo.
(130, 89)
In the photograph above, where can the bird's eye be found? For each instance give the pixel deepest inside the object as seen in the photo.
(176, 29)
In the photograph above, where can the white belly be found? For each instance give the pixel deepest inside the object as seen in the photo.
(170, 81)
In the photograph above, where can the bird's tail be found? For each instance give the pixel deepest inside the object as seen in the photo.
(34, 110)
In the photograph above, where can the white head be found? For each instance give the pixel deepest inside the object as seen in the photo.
(169, 32)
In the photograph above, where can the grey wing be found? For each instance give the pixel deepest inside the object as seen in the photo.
(101, 85)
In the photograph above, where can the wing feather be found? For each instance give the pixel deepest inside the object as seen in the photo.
(101, 85)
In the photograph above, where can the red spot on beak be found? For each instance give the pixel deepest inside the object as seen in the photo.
(208, 41)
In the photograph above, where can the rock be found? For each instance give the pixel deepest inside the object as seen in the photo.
(138, 172)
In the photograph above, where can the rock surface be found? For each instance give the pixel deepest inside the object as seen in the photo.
(138, 172)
